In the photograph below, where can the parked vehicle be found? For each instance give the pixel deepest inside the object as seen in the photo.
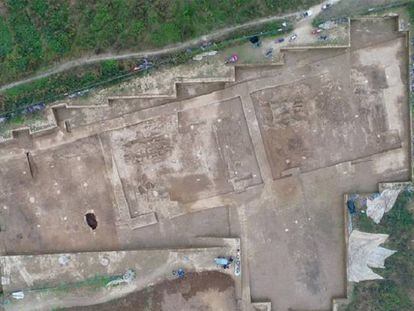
(280, 40)
(293, 37)
(326, 6)
(316, 31)
(232, 59)
(307, 13)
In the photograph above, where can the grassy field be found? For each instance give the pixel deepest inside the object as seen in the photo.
(396, 291)
(36, 33)
(105, 73)
(411, 11)
(56, 86)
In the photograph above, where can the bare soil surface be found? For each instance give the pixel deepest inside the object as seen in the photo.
(298, 136)
(207, 291)
(42, 211)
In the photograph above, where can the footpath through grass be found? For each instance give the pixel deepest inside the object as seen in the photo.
(83, 79)
(36, 33)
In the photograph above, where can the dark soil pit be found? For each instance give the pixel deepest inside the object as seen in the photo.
(91, 220)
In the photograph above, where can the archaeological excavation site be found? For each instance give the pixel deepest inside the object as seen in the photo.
(208, 186)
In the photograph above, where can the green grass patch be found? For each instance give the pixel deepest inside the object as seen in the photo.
(396, 291)
(97, 281)
(14, 100)
(410, 9)
(379, 296)
(93, 283)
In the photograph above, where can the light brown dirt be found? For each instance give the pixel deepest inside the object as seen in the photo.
(339, 116)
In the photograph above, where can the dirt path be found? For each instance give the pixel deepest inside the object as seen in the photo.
(166, 50)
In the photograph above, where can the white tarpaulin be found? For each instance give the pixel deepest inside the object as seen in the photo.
(377, 207)
(205, 54)
(365, 253)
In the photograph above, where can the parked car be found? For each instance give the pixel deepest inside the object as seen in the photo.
(293, 37)
(232, 59)
(280, 40)
(307, 13)
(326, 6)
(316, 31)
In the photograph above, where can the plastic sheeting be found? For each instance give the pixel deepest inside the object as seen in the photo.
(365, 253)
(377, 207)
(205, 54)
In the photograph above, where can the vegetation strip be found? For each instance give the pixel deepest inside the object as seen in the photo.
(35, 34)
(81, 80)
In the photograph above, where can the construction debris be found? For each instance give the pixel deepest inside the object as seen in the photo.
(365, 253)
(381, 204)
(327, 25)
